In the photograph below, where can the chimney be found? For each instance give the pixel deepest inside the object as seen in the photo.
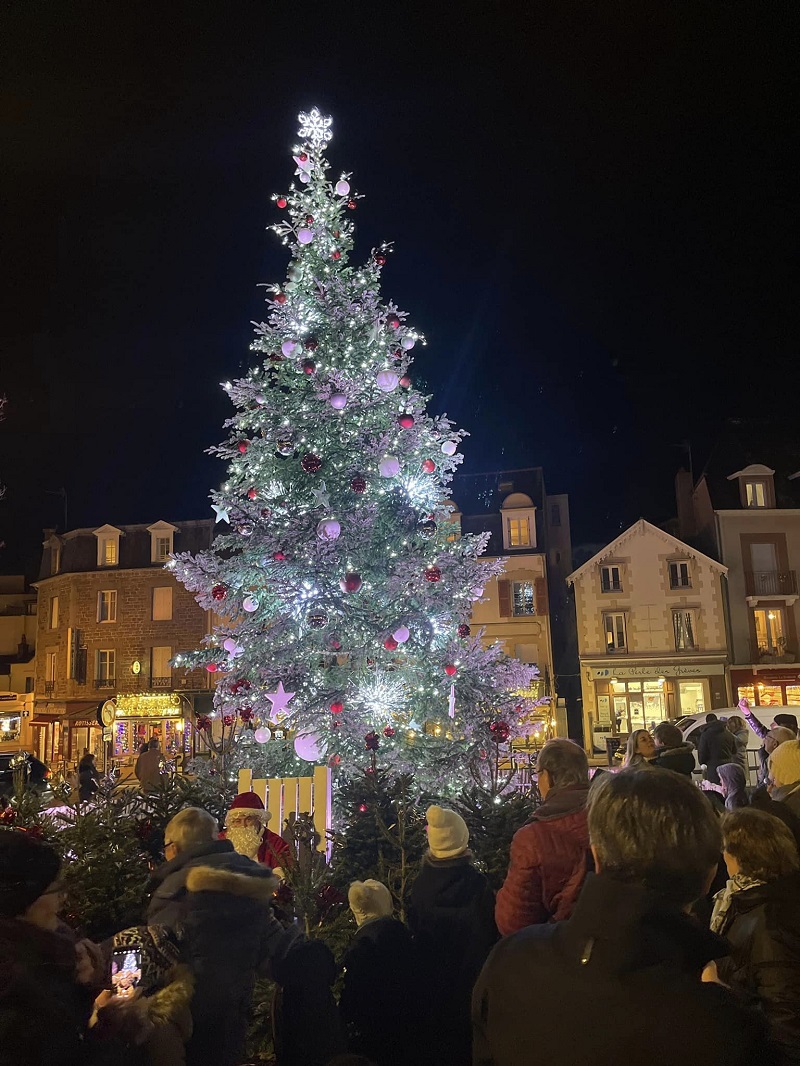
(684, 491)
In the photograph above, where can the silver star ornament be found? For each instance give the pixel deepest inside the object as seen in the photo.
(315, 128)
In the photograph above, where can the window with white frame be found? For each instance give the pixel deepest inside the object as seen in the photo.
(106, 664)
(519, 532)
(107, 605)
(685, 629)
(52, 613)
(161, 541)
(522, 598)
(611, 578)
(680, 575)
(162, 603)
(163, 547)
(770, 630)
(616, 631)
(755, 493)
(108, 551)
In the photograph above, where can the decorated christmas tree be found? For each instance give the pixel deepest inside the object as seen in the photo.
(341, 585)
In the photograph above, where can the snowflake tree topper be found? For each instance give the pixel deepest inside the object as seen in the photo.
(315, 128)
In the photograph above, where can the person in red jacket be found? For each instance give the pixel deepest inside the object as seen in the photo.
(246, 828)
(550, 855)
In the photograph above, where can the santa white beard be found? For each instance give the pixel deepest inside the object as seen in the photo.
(245, 839)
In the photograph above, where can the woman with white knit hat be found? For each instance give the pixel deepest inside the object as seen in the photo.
(451, 914)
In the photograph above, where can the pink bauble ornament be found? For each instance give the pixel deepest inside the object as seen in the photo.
(338, 401)
(305, 236)
(407, 343)
(328, 529)
(389, 467)
(342, 187)
(262, 734)
(387, 381)
(288, 347)
(308, 747)
(401, 635)
(250, 604)
(449, 447)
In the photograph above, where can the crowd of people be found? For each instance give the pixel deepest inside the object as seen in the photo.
(642, 919)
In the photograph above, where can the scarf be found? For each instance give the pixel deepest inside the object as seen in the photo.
(724, 899)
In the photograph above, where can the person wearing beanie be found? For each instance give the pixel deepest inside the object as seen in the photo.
(246, 828)
(380, 980)
(784, 775)
(451, 916)
(45, 998)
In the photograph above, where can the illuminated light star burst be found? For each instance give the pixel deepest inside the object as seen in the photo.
(382, 694)
(315, 128)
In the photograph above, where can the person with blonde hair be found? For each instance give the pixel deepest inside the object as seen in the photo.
(784, 775)
(758, 913)
(641, 750)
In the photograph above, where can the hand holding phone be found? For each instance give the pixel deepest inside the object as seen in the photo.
(126, 971)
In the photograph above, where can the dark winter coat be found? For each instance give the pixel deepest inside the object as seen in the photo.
(227, 926)
(789, 796)
(451, 915)
(44, 1012)
(763, 929)
(717, 745)
(306, 976)
(549, 859)
(679, 759)
(764, 802)
(380, 987)
(88, 776)
(589, 991)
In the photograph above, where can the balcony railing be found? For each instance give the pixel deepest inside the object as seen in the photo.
(771, 582)
(105, 682)
(160, 683)
(49, 688)
(772, 652)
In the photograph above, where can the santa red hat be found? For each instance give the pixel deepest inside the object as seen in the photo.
(250, 801)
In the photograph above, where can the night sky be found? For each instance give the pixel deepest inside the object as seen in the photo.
(594, 210)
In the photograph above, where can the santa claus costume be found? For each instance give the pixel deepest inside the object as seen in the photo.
(246, 828)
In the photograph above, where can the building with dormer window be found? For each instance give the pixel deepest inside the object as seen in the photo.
(110, 619)
(651, 634)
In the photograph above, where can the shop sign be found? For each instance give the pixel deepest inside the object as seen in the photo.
(605, 673)
(149, 705)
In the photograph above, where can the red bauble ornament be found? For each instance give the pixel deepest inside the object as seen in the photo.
(405, 381)
(371, 741)
(351, 204)
(390, 644)
(303, 157)
(405, 421)
(308, 366)
(311, 463)
(211, 667)
(337, 707)
(266, 513)
(358, 484)
(281, 202)
(280, 298)
(219, 592)
(252, 493)
(428, 466)
(336, 233)
(242, 446)
(397, 355)
(393, 322)
(464, 630)
(351, 582)
(433, 573)
(311, 344)
(388, 732)
(246, 714)
(380, 260)
(227, 719)
(451, 670)
(309, 219)
(363, 808)
(336, 255)
(335, 644)
(278, 557)
(500, 731)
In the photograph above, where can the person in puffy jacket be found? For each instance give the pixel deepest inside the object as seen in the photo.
(672, 751)
(758, 913)
(550, 855)
(451, 915)
(717, 745)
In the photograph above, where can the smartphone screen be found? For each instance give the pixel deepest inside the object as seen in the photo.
(126, 971)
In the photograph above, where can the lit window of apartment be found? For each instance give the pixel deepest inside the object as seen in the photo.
(107, 605)
(52, 613)
(108, 551)
(162, 549)
(106, 673)
(680, 575)
(684, 628)
(616, 631)
(755, 493)
(522, 601)
(611, 578)
(160, 670)
(770, 630)
(161, 541)
(162, 603)
(519, 532)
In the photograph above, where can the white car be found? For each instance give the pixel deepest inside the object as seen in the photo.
(692, 726)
